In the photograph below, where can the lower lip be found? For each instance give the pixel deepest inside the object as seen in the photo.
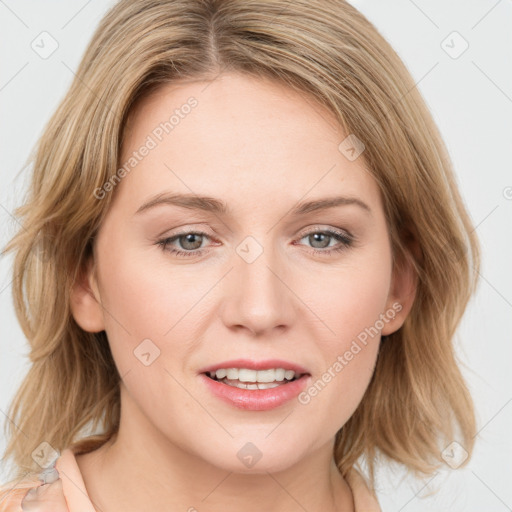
(256, 399)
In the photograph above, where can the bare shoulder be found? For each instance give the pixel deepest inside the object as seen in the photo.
(13, 492)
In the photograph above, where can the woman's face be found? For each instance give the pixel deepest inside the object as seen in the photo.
(272, 274)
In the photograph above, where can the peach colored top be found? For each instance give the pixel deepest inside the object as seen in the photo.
(78, 499)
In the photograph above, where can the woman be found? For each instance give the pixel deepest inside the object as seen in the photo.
(243, 262)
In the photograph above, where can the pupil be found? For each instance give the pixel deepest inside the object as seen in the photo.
(190, 239)
(318, 237)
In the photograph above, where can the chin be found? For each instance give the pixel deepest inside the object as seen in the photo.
(254, 457)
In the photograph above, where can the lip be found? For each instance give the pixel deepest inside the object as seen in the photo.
(256, 399)
(256, 365)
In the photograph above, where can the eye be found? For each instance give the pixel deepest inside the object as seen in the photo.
(322, 239)
(191, 242)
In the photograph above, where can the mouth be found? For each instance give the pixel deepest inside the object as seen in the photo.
(246, 378)
(255, 385)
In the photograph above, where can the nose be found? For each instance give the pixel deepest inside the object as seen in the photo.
(258, 296)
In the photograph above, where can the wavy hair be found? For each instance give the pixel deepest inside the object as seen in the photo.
(417, 401)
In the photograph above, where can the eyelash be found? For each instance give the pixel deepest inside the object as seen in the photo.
(345, 239)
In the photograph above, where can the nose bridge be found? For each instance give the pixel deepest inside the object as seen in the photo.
(260, 300)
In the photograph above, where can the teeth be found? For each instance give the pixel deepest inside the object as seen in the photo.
(232, 373)
(288, 374)
(253, 376)
(280, 372)
(244, 385)
(219, 373)
(267, 385)
(244, 375)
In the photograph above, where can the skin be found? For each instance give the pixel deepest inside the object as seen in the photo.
(261, 148)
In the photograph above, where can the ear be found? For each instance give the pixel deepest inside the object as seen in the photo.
(86, 301)
(402, 291)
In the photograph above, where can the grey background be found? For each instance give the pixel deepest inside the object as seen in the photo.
(471, 100)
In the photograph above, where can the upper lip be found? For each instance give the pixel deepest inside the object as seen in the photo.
(256, 365)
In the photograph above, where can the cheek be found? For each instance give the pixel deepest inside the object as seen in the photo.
(150, 322)
(159, 316)
(150, 301)
(349, 299)
(351, 307)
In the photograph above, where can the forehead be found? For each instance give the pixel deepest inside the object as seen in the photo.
(244, 139)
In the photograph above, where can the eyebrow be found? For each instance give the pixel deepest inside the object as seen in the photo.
(212, 205)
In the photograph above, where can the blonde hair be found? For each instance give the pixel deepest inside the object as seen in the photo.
(417, 401)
